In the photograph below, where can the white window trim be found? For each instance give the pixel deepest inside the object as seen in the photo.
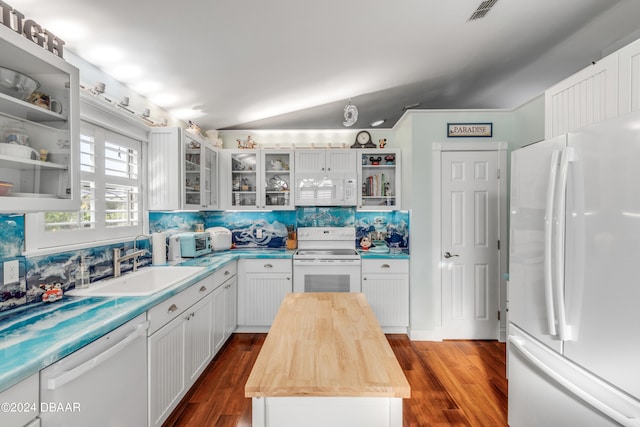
(38, 242)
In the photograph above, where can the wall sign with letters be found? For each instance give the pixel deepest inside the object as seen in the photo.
(30, 29)
(459, 130)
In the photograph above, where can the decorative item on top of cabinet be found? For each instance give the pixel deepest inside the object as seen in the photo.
(183, 171)
(380, 175)
(37, 185)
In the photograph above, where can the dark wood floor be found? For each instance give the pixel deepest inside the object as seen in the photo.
(453, 383)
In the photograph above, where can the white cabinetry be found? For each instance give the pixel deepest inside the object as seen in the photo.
(259, 179)
(629, 78)
(604, 90)
(385, 283)
(22, 402)
(328, 161)
(179, 346)
(183, 171)
(379, 174)
(39, 183)
(224, 306)
(587, 97)
(262, 287)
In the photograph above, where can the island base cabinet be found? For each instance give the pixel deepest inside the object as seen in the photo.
(326, 411)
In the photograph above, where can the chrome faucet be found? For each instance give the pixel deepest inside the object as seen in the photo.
(119, 259)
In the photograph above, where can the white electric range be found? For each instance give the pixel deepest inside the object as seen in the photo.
(326, 260)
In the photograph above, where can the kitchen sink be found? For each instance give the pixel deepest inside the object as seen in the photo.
(146, 281)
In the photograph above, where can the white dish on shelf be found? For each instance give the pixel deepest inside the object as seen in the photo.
(34, 195)
(18, 151)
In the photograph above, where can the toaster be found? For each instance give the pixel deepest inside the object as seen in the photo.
(220, 238)
(194, 244)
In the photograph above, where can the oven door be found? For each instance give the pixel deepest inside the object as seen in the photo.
(326, 275)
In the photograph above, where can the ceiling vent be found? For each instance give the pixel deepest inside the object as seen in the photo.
(482, 10)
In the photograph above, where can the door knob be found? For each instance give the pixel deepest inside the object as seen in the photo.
(449, 255)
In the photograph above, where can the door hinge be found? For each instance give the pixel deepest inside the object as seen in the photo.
(498, 244)
(498, 314)
(498, 174)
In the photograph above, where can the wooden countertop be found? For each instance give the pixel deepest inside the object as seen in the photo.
(326, 344)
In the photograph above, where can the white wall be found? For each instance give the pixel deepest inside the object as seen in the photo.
(516, 127)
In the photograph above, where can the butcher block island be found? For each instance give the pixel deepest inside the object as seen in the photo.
(326, 362)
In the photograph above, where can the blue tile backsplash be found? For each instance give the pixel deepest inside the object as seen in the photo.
(60, 268)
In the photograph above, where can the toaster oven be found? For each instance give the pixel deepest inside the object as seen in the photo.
(194, 244)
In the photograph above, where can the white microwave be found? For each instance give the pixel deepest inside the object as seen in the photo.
(326, 191)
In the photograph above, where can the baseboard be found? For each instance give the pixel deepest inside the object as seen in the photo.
(417, 335)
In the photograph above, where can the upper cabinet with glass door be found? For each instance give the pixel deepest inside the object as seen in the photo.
(183, 171)
(39, 128)
(277, 179)
(200, 190)
(379, 172)
(261, 179)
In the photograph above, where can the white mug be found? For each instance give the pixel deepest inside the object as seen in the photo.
(55, 106)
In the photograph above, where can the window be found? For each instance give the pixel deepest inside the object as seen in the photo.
(111, 207)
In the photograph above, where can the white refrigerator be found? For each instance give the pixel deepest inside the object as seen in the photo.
(574, 279)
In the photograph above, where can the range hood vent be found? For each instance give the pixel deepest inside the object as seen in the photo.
(482, 10)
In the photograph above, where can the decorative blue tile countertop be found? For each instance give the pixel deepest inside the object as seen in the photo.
(389, 255)
(35, 336)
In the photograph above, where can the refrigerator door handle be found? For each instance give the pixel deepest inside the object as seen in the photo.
(519, 344)
(548, 243)
(564, 330)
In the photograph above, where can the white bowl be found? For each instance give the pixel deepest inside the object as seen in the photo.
(18, 151)
(16, 84)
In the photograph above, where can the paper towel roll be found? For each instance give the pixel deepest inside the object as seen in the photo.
(159, 252)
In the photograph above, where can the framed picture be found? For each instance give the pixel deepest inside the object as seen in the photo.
(469, 130)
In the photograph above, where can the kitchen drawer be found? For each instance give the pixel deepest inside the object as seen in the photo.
(224, 273)
(167, 310)
(385, 266)
(268, 265)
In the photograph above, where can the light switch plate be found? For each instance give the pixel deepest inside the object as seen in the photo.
(11, 271)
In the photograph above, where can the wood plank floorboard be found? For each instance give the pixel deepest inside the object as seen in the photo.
(453, 383)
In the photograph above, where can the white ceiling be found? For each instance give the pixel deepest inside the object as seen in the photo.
(294, 64)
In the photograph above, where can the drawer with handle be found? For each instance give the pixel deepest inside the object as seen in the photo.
(268, 265)
(166, 311)
(385, 266)
(225, 272)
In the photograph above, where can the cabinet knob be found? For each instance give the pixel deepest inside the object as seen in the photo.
(203, 289)
(226, 272)
(364, 278)
(385, 266)
(172, 308)
(268, 266)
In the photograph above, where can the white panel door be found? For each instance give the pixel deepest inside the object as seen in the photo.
(470, 282)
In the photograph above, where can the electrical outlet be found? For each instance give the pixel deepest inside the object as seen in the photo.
(11, 271)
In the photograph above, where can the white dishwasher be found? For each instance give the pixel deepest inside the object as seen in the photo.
(103, 383)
